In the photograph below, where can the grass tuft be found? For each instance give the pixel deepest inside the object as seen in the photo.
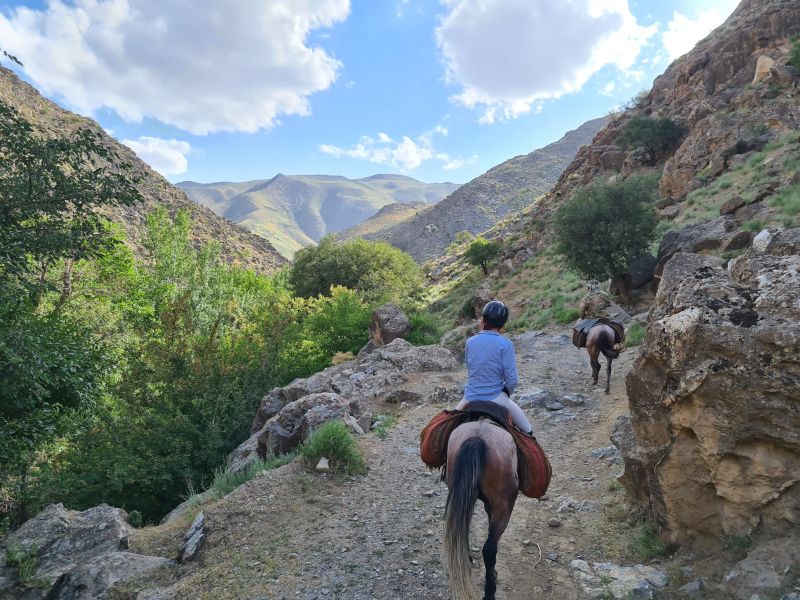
(24, 561)
(647, 543)
(225, 482)
(788, 201)
(333, 441)
(385, 423)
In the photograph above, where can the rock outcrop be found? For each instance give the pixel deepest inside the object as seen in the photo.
(77, 554)
(288, 415)
(388, 323)
(713, 447)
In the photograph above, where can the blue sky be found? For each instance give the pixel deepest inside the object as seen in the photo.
(438, 90)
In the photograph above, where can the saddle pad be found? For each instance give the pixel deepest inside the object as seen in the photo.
(534, 469)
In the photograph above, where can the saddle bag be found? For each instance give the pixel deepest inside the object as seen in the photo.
(534, 468)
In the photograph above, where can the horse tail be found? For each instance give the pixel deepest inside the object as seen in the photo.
(607, 346)
(461, 498)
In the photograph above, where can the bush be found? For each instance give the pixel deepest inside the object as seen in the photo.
(635, 334)
(603, 228)
(425, 329)
(481, 252)
(333, 441)
(647, 543)
(135, 519)
(378, 271)
(658, 137)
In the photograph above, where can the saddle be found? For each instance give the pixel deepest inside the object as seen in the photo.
(534, 469)
(581, 330)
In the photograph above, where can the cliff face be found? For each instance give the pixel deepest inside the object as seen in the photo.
(238, 245)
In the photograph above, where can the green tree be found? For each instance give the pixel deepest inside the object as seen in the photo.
(376, 270)
(605, 226)
(51, 188)
(658, 137)
(481, 252)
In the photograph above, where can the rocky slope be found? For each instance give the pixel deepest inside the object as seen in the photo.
(477, 205)
(238, 245)
(386, 217)
(297, 210)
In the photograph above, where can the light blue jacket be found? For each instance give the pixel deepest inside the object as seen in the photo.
(491, 365)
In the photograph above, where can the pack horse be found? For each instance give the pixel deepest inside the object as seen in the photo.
(599, 336)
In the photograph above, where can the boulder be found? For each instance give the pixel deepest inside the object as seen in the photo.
(535, 398)
(480, 298)
(732, 205)
(193, 539)
(708, 235)
(599, 580)
(642, 271)
(768, 570)
(763, 66)
(297, 421)
(713, 445)
(78, 554)
(389, 322)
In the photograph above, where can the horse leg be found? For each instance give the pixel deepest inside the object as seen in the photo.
(608, 376)
(595, 363)
(498, 521)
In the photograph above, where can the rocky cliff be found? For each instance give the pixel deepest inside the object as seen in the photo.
(478, 205)
(238, 245)
(715, 396)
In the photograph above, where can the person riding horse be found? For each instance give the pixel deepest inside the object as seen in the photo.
(491, 365)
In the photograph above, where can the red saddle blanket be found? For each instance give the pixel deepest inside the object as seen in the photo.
(534, 468)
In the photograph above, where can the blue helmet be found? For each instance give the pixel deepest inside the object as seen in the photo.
(495, 313)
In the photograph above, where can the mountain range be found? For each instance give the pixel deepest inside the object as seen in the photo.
(293, 211)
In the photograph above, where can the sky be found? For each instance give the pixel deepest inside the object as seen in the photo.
(439, 90)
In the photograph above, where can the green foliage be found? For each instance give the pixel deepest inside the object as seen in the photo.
(462, 237)
(605, 226)
(135, 518)
(737, 542)
(225, 482)
(481, 252)
(658, 137)
(754, 225)
(425, 329)
(635, 334)
(24, 561)
(787, 201)
(646, 543)
(50, 190)
(378, 271)
(794, 53)
(333, 441)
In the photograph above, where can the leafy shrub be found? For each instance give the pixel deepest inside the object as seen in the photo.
(481, 252)
(658, 137)
(604, 227)
(425, 329)
(224, 482)
(378, 271)
(635, 334)
(135, 518)
(333, 441)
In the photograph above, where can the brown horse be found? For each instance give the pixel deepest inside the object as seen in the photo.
(601, 339)
(481, 464)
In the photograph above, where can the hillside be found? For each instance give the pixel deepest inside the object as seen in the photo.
(386, 217)
(238, 245)
(479, 204)
(297, 210)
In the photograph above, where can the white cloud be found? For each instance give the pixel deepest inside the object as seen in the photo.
(683, 33)
(406, 154)
(168, 157)
(509, 54)
(201, 65)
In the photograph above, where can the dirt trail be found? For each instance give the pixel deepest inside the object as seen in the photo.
(289, 534)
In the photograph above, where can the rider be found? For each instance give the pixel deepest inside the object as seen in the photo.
(491, 365)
